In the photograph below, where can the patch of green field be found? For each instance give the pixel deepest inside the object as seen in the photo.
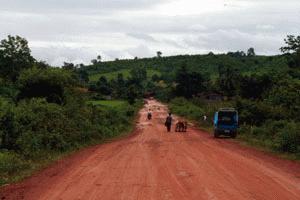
(109, 103)
(125, 72)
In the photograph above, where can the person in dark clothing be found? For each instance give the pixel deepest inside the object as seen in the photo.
(149, 115)
(168, 122)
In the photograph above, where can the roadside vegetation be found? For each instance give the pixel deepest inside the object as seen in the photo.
(264, 89)
(45, 112)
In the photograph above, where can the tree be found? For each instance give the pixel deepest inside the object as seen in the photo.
(42, 64)
(254, 86)
(15, 55)
(227, 80)
(94, 61)
(251, 52)
(103, 86)
(50, 84)
(68, 66)
(138, 74)
(138, 78)
(159, 53)
(131, 94)
(188, 83)
(99, 58)
(293, 47)
(119, 86)
(237, 54)
(293, 44)
(83, 76)
(155, 78)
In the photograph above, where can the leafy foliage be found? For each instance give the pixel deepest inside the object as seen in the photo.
(14, 56)
(45, 83)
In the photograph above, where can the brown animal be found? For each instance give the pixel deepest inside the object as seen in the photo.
(181, 126)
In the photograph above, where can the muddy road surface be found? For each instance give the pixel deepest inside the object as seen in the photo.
(153, 164)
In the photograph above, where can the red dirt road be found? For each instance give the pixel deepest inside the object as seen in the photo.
(154, 164)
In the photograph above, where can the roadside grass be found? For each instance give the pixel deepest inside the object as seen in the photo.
(262, 146)
(14, 167)
(193, 110)
(112, 75)
(109, 103)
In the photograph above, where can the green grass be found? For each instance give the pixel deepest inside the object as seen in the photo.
(126, 73)
(109, 103)
(14, 167)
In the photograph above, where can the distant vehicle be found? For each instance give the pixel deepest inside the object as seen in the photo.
(226, 122)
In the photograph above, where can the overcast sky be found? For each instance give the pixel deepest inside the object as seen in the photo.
(78, 30)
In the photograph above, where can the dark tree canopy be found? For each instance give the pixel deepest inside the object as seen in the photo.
(159, 53)
(45, 83)
(293, 44)
(15, 56)
(293, 47)
(189, 83)
(251, 52)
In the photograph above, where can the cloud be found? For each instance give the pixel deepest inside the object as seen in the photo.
(142, 36)
(86, 6)
(77, 31)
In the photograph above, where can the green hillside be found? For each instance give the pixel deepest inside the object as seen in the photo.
(112, 75)
(205, 64)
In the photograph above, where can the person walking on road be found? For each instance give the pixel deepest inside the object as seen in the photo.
(168, 122)
(149, 115)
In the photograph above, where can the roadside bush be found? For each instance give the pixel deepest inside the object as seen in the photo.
(8, 134)
(45, 83)
(288, 138)
(185, 108)
(10, 164)
(40, 126)
(258, 112)
(283, 136)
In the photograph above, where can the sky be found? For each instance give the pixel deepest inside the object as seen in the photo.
(78, 30)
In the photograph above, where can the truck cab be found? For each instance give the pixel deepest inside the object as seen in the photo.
(226, 122)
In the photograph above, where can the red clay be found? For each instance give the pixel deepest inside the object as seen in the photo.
(154, 164)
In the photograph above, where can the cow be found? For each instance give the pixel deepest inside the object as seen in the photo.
(181, 126)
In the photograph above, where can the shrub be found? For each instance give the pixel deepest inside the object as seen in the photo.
(11, 164)
(288, 138)
(45, 83)
(185, 108)
(41, 126)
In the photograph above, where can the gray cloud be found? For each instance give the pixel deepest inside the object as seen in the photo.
(87, 6)
(142, 36)
(77, 31)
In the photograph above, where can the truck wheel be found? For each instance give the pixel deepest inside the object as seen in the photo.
(216, 134)
(234, 134)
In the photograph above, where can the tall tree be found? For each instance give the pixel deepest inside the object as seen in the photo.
(68, 66)
(293, 47)
(227, 80)
(99, 58)
(159, 53)
(103, 86)
(293, 44)
(188, 83)
(15, 55)
(251, 52)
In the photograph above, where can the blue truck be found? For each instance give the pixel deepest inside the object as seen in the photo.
(226, 122)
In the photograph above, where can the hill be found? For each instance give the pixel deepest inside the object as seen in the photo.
(205, 64)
